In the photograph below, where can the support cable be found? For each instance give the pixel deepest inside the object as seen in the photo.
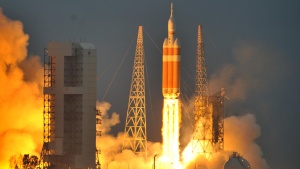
(149, 90)
(106, 68)
(153, 42)
(118, 69)
(147, 78)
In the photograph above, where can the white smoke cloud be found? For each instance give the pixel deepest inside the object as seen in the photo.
(107, 122)
(240, 135)
(112, 155)
(255, 66)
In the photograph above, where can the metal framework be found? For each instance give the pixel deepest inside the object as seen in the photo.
(98, 134)
(73, 117)
(209, 110)
(98, 122)
(49, 110)
(73, 69)
(203, 117)
(98, 165)
(217, 102)
(135, 137)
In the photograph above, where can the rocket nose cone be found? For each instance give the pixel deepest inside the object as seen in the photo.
(165, 44)
(177, 43)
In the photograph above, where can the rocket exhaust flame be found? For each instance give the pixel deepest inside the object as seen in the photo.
(170, 131)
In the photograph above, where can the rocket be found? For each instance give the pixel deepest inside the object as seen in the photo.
(171, 91)
(171, 62)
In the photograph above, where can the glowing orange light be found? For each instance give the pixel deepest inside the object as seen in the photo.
(170, 131)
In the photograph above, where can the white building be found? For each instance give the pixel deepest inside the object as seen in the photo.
(69, 105)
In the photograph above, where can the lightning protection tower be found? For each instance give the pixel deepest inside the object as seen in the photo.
(135, 137)
(202, 138)
(208, 110)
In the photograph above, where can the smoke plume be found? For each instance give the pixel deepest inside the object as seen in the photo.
(21, 99)
(254, 67)
(107, 122)
(112, 155)
(240, 135)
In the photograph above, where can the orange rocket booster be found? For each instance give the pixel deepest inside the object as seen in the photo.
(171, 62)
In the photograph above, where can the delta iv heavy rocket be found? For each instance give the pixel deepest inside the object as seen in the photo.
(171, 91)
(171, 62)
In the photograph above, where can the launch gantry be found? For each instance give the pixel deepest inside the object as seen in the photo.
(98, 134)
(135, 136)
(49, 109)
(208, 110)
(203, 118)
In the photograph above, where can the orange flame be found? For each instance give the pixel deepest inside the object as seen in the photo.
(170, 131)
(21, 103)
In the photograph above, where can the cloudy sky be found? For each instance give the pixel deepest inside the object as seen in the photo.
(251, 49)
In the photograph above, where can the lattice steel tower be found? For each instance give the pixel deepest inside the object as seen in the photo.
(209, 110)
(135, 136)
(202, 138)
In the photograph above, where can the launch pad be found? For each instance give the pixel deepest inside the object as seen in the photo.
(70, 116)
(208, 122)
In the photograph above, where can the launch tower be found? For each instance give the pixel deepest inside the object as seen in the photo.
(208, 110)
(203, 117)
(135, 136)
(69, 106)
